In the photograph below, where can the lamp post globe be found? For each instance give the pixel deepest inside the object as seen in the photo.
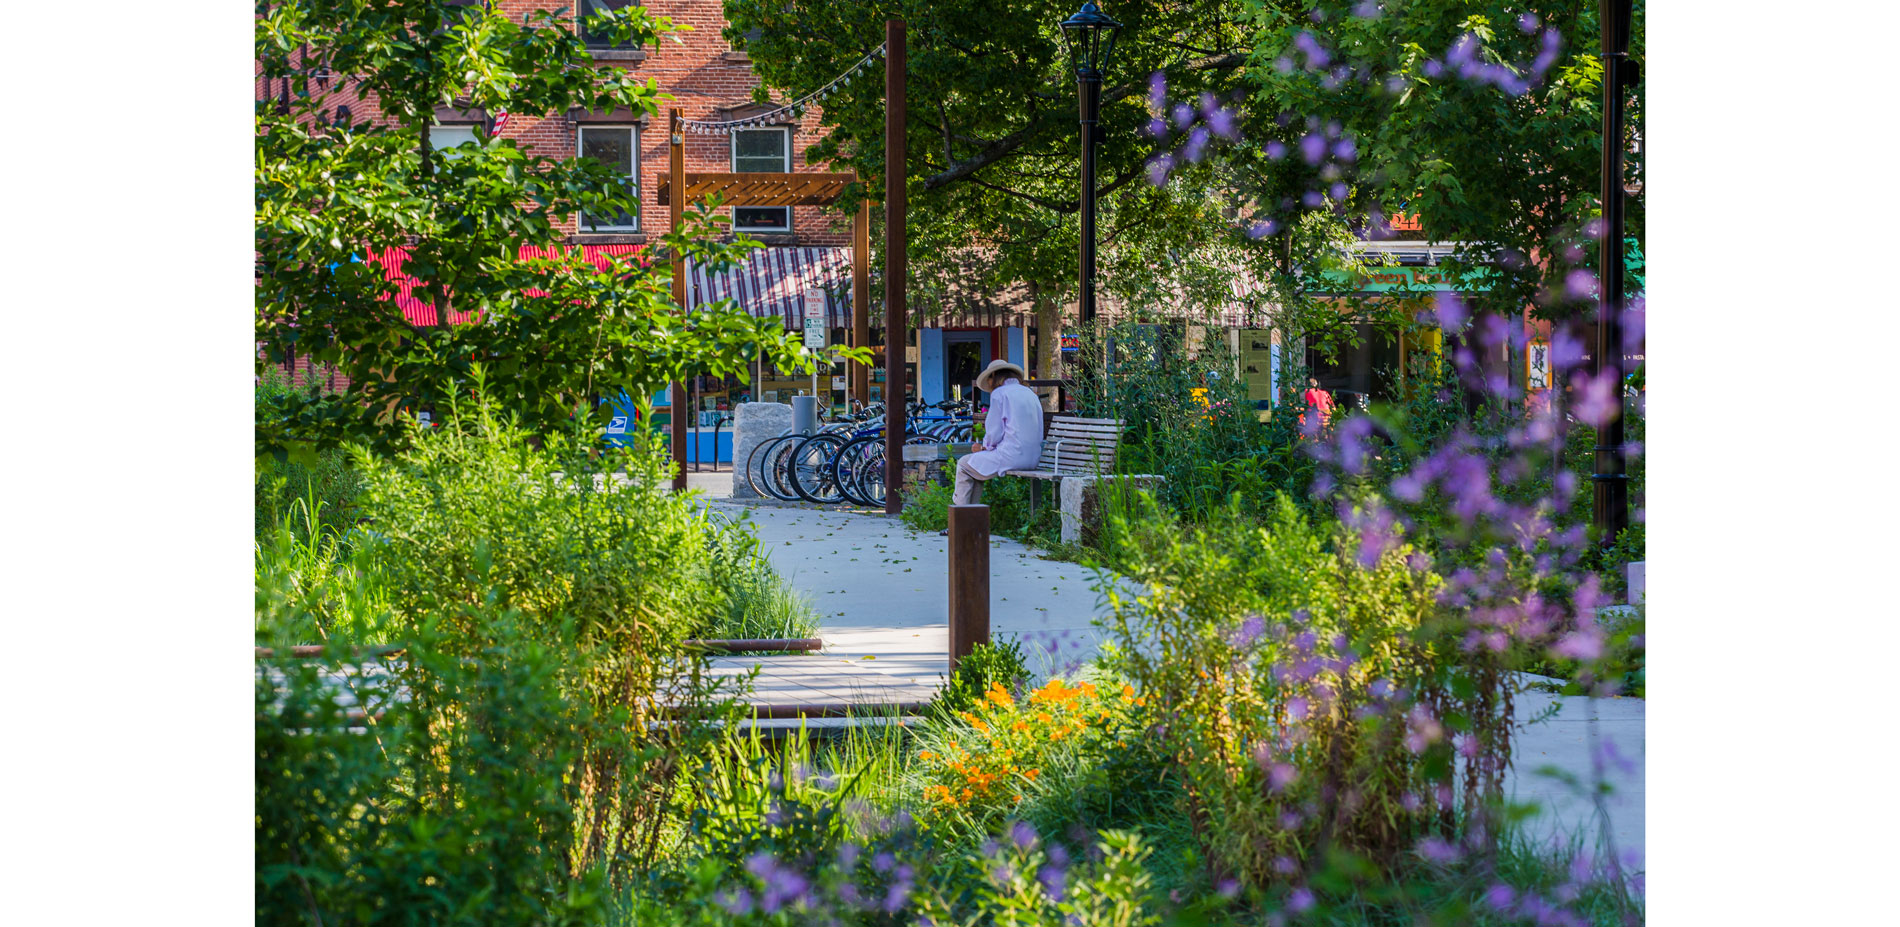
(1089, 38)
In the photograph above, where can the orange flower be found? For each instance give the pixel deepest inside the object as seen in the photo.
(1142, 701)
(926, 755)
(1019, 726)
(1128, 693)
(1032, 774)
(1043, 716)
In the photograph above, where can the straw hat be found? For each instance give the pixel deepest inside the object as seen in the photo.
(985, 380)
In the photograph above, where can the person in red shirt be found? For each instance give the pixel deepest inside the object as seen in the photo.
(1317, 400)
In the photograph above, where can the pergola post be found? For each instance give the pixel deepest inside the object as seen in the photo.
(861, 299)
(896, 265)
(675, 212)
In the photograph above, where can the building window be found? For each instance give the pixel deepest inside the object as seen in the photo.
(444, 139)
(586, 8)
(618, 147)
(766, 151)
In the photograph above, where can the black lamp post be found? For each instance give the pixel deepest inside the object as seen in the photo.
(1610, 480)
(1090, 38)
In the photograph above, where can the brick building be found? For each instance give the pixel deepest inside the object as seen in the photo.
(708, 80)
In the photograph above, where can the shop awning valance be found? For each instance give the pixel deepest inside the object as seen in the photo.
(773, 281)
(423, 314)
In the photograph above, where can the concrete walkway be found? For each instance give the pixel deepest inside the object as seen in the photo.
(880, 588)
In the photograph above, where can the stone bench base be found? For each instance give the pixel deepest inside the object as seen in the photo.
(1082, 505)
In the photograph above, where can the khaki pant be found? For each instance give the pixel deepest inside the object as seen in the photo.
(969, 490)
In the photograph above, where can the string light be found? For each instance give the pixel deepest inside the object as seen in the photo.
(795, 109)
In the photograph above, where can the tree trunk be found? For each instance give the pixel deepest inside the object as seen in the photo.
(1048, 334)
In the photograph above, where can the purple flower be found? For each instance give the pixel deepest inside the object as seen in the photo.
(1223, 123)
(1437, 850)
(1500, 896)
(1433, 68)
(1279, 776)
(1346, 149)
(1158, 168)
(1450, 311)
(1023, 835)
(1584, 645)
(1197, 143)
(897, 897)
(1183, 115)
(1313, 147)
(1313, 199)
(1228, 888)
(1157, 90)
(1276, 150)
(1598, 398)
(1283, 64)
(1250, 631)
(1053, 881)
(1316, 55)
(1580, 284)
(1263, 229)
(1301, 900)
(1297, 708)
(1366, 9)
(1410, 801)
(882, 862)
(1285, 865)
(1527, 23)
(736, 901)
(1158, 127)
(1338, 192)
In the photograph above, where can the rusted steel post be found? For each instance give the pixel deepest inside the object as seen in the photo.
(896, 267)
(969, 580)
(676, 211)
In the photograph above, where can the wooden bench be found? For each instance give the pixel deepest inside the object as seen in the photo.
(1074, 446)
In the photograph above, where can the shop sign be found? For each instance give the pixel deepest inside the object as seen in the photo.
(1071, 344)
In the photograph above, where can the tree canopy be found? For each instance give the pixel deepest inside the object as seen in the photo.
(478, 223)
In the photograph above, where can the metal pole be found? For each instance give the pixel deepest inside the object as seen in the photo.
(860, 379)
(1089, 90)
(676, 210)
(969, 574)
(896, 265)
(1610, 481)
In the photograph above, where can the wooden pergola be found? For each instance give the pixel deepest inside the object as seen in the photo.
(762, 189)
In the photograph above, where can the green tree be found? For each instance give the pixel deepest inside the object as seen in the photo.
(1479, 118)
(991, 119)
(553, 332)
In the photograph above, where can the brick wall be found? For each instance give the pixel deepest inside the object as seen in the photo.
(702, 74)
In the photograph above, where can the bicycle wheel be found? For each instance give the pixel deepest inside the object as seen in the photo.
(845, 464)
(810, 473)
(755, 466)
(777, 468)
(868, 478)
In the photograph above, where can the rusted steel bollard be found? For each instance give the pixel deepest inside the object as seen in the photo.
(969, 580)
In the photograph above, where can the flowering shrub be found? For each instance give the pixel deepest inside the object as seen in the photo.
(981, 765)
(1308, 696)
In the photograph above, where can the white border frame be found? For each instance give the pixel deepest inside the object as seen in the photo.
(732, 160)
(580, 215)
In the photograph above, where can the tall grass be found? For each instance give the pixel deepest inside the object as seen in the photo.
(315, 584)
(759, 602)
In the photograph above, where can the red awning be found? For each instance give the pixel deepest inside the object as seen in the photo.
(422, 314)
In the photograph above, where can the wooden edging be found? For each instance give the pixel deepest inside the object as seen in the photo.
(356, 717)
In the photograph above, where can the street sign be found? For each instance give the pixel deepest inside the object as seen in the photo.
(618, 426)
(816, 332)
(837, 383)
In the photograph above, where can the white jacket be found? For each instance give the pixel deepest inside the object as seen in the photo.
(1012, 434)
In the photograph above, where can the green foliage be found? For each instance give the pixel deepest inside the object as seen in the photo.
(1233, 647)
(447, 808)
(927, 509)
(611, 571)
(759, 602)
(313, 587)
(986, 665)
(556, 333)
(1004, 885)
(280, 484)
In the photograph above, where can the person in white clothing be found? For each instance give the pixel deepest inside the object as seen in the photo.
(1012, 434)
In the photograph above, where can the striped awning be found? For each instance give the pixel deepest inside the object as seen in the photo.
(773, 281)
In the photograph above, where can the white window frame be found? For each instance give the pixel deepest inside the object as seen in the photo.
(580, 150)
(733, 159)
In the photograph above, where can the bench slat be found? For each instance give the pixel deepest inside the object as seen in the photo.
(1058, 419)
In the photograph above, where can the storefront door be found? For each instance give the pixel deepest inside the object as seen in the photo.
(965, 354)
